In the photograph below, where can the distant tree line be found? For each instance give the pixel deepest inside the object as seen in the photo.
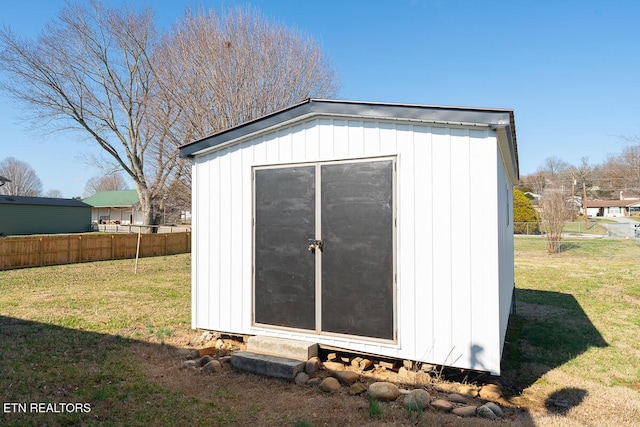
(22, 180)
(619, 172)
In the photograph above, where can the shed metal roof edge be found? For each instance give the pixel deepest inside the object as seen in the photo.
(493, 117)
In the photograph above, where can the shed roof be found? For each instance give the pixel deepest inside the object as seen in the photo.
(501, 120)
(41, 201)
(113, 199)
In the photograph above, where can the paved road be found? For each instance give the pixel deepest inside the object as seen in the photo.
(623, 227)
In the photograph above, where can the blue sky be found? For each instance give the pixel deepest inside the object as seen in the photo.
(569, 69)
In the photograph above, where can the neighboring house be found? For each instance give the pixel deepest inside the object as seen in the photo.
(43, 215)
(634, 208)
(613, 208)
(625, 195)
(356, 225)
(115, 207)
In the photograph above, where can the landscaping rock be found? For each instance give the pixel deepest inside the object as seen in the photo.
(446, 387)
(357, 388)
(484, 412)
(456, 398)
(193, 354)
(207, 351)
(329, 385)
(225, 360)
(386, 365)
(417, 400)
(188, 364)
(384, 391)
(365, 364)
(203, 361)
(312, 366)
(495, 409)
(442, 405)
(491, 392)
(214, 366)
(334, 366)
(406, 374)
(301, 378)
(468, 390)
(346, 377)
(465, 411)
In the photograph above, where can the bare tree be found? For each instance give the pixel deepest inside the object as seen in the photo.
(23, 179)
(224, 70)
(54, 194)
(537, 181)
(629, 161)
(555, 211)
(109, 74)
(90, 71)
(104, 183)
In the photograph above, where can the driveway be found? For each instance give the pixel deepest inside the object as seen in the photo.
(623, 227)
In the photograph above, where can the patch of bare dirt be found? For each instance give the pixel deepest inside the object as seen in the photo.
(556, 400)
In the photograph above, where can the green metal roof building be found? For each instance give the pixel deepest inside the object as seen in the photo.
(115, 207)
(21, 215)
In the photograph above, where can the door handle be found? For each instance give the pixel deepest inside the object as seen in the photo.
(314, 244)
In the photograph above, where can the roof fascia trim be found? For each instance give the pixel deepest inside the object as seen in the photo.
(363, 110)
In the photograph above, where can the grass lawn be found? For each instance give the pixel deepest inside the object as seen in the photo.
(580, 227)
(577, 317)
(96, 333)
(588, 301)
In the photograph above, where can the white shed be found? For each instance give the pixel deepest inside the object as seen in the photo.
(378, 228)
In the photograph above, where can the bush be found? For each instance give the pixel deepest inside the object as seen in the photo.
(523, 212)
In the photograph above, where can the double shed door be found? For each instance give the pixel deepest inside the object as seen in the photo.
(323, 247)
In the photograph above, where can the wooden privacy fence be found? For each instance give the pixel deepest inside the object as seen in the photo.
(35, 251)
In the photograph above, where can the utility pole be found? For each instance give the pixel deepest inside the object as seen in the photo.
(573, 198)
(584, 204)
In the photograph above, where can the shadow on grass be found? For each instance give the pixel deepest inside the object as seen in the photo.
(547, 330)
(51, 375)
(567, 246)
(562, 401)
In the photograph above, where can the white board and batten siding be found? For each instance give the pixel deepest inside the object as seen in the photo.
(454, 236)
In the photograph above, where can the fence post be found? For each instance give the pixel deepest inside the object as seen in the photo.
(113, 251)
(40, 253)
(79, 248)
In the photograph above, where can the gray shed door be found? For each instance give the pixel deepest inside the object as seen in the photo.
(344, 284)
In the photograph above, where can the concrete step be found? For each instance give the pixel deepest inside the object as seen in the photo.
(292, 349)
(264, 364)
